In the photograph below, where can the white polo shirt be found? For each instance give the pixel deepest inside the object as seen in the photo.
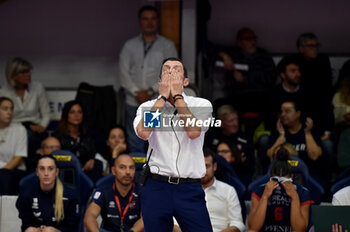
(223, 206)
(174, 153)
(13, 143)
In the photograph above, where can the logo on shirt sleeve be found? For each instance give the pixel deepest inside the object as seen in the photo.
(97, 195)
(151, 119)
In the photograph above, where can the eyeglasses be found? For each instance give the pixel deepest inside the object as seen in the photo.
(312, 45)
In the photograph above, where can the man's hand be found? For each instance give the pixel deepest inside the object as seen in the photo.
(309, 125)
(176, 83)
(37, 128)
(238, 76)
(164, 84)
(269, 187)
(142, 96)
(280, 127)
(228, 63)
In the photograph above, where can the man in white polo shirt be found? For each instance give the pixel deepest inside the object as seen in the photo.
(177, 162)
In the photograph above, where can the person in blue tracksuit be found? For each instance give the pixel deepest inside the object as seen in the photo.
(48, 206)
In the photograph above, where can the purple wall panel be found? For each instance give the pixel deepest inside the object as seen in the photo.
(278, 23)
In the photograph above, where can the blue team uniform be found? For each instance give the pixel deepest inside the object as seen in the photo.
(105, 197)
(36, 208)
(278, 207)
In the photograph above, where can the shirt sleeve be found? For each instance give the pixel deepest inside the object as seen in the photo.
(234, 210)
(98, 197)
(305, 197)
(22, 142)
(146, 105)
(43, 107)
(202, 111)
(24, 211)
(124, 67)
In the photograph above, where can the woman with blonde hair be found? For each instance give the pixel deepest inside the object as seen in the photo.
(48, 206)
(31, 107)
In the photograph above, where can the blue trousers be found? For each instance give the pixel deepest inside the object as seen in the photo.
(160, 202)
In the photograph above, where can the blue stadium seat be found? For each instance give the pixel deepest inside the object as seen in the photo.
(109, 179)
(301, 176)
(225, 173)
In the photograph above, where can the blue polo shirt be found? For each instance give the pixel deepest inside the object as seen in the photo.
(104, 196)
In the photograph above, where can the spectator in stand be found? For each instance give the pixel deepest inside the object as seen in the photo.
(294, 129)
(48, 206)
(250, 72)
(118, 202)
(13, 148)
(73, 136)
(230, 131)
(139, 63)
(116, 144)
(288, 90)
(31, 107)
(280, 204)
(316, 81)
(235, 157)
(48, 145)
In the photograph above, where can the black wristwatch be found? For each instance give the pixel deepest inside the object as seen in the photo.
(161, 97)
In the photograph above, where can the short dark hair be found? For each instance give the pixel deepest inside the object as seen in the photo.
(296, 104)
(6, 99)
(287, 60)
(173, 59)
(209, 153)
(303, 38)
(145, 8)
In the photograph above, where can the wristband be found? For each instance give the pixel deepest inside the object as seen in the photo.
(177, 99)
(177, 96)
(161, 97)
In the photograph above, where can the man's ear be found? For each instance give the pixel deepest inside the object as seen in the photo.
(159, 79)
(282, 75)
(215, 166)
(186, 81)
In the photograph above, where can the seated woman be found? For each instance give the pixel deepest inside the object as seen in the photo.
(235, 157)
(280, 203)
(13, 148)
(49, 206)
(116, 143)
(31, 107)
(73, 136)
